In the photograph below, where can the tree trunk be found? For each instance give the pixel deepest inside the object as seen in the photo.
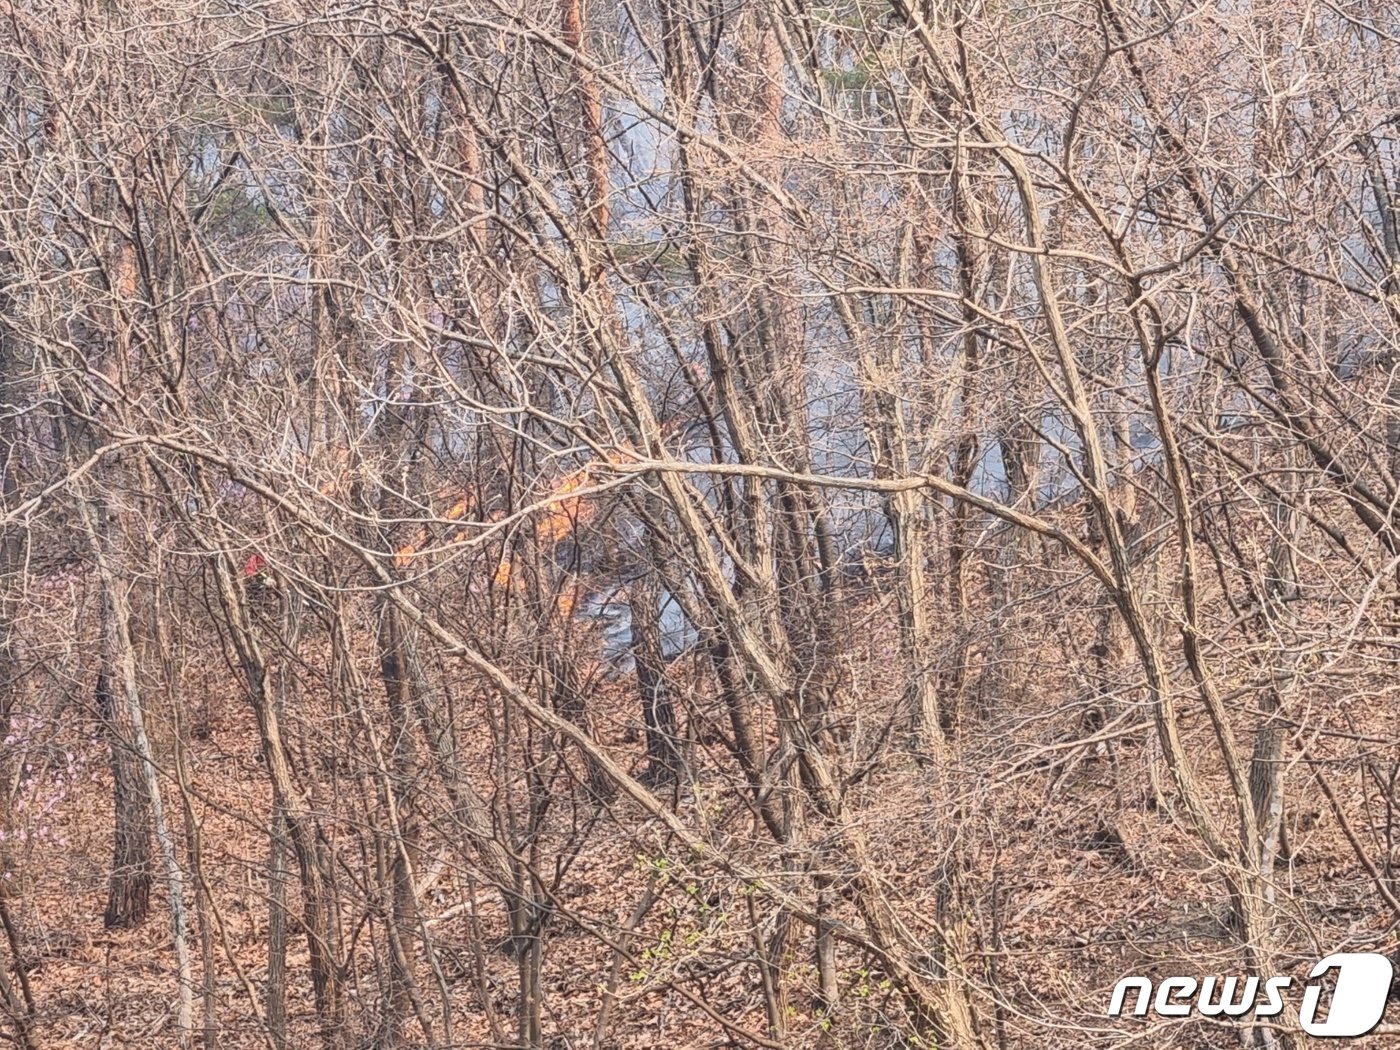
(129, 888)
(321, 907)
(129, 724)
(401, 679)
(664, 760)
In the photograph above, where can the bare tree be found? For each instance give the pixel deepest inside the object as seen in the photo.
(670, 523)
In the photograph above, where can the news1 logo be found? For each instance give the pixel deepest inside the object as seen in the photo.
(1355, 1007)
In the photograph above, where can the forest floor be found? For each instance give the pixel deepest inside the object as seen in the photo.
(1092, 878)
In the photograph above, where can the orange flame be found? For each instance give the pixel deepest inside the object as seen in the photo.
(567, 601)
(565, 509)
(502, 577)
(567, 512)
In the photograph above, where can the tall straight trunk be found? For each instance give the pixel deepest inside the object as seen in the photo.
(278, 866)
(168, 656)
(202, 904)
(129, 718)
(590, 108)
(401, 679)
(12, 539)
(320, 904)
(1266, 761)
(129, 887)
(967, 236)
(18, 1004)
(887, 432)
(828, 995)
(914, 601)
(526, 917)
(769, 355)
(658, 712)
(278, 875)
